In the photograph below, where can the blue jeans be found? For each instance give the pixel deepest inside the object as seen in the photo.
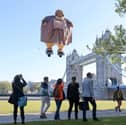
(58, 105)
(93, 103)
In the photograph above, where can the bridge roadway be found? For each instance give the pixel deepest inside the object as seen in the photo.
(8, 118)
(85, 60)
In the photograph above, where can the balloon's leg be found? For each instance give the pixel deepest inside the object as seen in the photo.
(60, 50)
(49, 50)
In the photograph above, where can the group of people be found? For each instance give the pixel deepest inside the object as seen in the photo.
(59, 86)
(73, 96)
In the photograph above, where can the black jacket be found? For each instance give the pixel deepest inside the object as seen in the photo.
(73, 91)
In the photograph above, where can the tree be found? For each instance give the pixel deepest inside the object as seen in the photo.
(5, 87)
(121, 7)
(112, 45)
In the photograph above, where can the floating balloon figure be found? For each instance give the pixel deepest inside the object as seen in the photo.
(56, 30)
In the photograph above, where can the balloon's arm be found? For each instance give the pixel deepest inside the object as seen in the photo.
(69, 23)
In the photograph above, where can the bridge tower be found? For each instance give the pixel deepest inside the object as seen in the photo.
(73, 70)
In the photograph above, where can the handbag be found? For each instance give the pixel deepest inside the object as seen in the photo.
(22, 101)
(11, 99)
(83, 105)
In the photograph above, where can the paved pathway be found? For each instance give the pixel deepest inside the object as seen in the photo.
(35, 116)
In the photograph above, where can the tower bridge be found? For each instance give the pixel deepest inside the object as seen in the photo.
(104, 70)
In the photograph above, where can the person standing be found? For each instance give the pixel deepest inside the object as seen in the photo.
(118, 96)
(88, 95)
(17, 91)
(73, 97)
(59, 96)
(45, 99)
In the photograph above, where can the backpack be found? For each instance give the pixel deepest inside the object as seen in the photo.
(56, 92)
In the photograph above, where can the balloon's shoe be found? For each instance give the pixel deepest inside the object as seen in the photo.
(60, 53)
(49, 52)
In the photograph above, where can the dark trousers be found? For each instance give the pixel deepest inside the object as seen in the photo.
(71, 103)
(21, 113)
(93, 103)
(58, 105)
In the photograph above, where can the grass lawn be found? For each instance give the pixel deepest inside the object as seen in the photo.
(34, 106)
(103, 121)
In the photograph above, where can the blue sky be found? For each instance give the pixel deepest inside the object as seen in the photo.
(20, 48)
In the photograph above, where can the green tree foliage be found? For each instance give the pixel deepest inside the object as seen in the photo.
(5, 86)
(120, 7)
(113, 45)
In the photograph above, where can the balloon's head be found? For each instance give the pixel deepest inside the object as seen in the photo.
(59, 13)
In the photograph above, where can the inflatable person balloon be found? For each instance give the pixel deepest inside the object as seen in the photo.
(56, 30)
